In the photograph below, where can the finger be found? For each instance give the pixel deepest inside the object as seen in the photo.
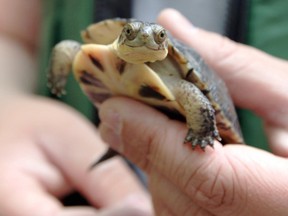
(28, 194)
(234, 179)
(277, 138)
(113, 128)
(76, 211)
(74, 145)
(250, 75)
(130, 206)
(152, 141)
(112, 181)
(18, 25)
(61, 147)
(168, 199)
(22, 191)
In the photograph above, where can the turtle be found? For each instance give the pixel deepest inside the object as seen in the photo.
(141, 60)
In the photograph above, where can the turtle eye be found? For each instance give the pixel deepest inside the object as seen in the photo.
(129, 32)
(161, 36)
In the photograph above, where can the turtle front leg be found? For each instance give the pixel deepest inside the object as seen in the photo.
(62, 57)
(200, 115)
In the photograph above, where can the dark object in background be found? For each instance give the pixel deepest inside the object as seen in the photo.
(237, 20)
(104, 9)
(226, 17)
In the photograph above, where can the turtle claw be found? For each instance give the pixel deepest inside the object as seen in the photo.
(56, 84)
(201, 140)
(58, 92)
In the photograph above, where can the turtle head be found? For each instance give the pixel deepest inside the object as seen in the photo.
(141, 42)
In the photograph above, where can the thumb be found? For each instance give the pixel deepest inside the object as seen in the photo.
(230, 180)
(118, 121)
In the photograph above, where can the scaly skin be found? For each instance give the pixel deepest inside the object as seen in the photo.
(200, 115)
(61, 61)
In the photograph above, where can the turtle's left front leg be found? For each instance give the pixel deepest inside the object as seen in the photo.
(200, 115)
(62, 57)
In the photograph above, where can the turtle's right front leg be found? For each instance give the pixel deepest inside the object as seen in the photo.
(62, 57)
(200, 115)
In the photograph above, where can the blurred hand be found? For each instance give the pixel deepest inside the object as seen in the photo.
(45, 152)
(226, 180)
(46, 148)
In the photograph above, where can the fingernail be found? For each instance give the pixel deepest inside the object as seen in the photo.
(111, 128)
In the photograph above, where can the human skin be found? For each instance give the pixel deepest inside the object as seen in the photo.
(227, 180)
(46, 147)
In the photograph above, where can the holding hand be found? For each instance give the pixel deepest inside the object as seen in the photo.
(229, 180)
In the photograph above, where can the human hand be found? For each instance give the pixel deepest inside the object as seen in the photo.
(45, 152)
(226, 180)
(46, 148)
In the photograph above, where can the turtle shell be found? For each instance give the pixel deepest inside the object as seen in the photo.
(189, 65)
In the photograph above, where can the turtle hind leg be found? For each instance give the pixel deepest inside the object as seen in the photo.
(62, 57)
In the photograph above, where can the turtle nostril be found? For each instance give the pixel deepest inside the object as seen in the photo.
(145, 35)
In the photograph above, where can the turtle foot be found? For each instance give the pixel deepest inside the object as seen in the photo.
(201, 140)
(60, 66)
(57, 84)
